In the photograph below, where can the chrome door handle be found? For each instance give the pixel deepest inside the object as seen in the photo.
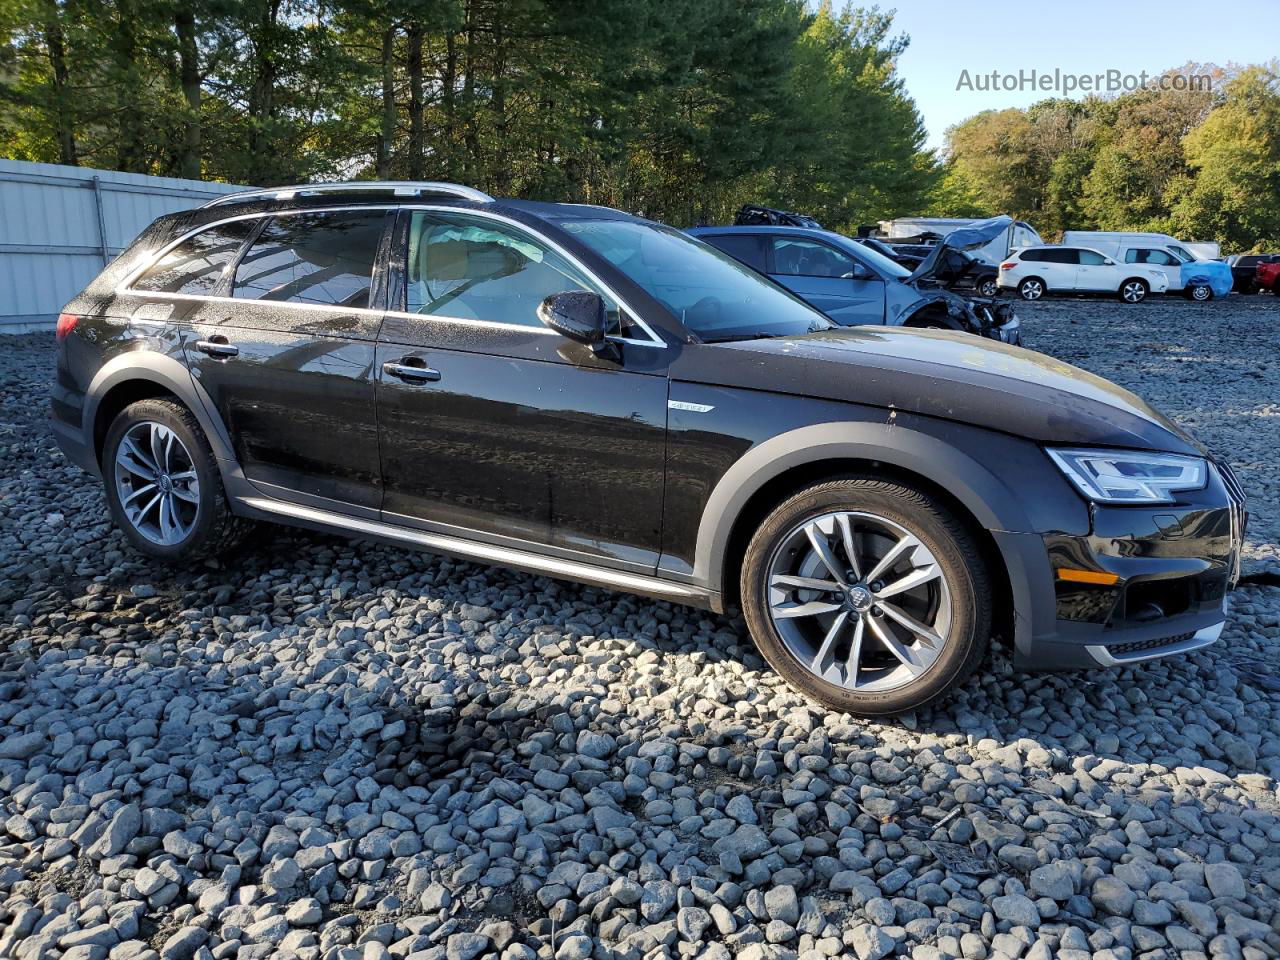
(410, 373)
(217, 348)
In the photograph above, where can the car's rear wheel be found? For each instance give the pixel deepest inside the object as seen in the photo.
(162, 484)
(1031, 288)
(870, 597)
(988, 287)
(1200, 292)
(1133, 290)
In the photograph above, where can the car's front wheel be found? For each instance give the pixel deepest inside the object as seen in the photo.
(1031, 288)
(1200, 292)
(1133, 290)
(871, 597)
(988, 287)
(162, 484)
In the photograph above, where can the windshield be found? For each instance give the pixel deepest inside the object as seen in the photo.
(1183, 255)
(708, 291)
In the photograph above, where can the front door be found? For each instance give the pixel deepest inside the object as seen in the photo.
(1095, 272)
(829, 279)
(494, 428)
(286, 354)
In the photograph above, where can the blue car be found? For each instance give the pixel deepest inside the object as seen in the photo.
(854, 284)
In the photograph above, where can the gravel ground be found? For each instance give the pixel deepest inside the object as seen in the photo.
(326, 749)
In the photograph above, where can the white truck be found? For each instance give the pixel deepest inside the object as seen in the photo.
(1018, 235)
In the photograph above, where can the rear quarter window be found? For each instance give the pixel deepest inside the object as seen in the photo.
(195, 265)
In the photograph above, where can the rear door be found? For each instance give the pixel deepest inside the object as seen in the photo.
(1060, 267)
(286, 353)
(493, 427)
(827, 278)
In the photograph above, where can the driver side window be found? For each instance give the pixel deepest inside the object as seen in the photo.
(473, 268)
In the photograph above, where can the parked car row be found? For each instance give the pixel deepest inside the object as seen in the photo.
(853, 283)
(584, 394)
(1251, 272)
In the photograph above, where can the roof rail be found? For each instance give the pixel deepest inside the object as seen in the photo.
(400, 188)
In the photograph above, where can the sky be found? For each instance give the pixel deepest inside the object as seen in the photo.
(1078, 37)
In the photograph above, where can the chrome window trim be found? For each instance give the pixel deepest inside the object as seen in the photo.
(125, 286)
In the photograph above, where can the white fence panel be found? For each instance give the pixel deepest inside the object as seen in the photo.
(60, 225)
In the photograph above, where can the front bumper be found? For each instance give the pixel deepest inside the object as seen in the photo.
(1010, 332)
(1163, 575)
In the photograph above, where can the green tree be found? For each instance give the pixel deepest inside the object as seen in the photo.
(1233, 194)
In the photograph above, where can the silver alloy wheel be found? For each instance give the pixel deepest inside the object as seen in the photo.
(988, 288)
(859, 600)
(157, 483)
(1133, 292)
(1200, 292)
(1031, 290)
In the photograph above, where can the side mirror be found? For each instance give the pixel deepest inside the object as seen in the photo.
(1108, 262)
(578, 315)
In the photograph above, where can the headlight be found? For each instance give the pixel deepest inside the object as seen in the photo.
(1130, 476)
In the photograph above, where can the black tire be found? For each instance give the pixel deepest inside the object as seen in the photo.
(987, 287)
(953, 547)
(1200, 293)
(1032, 288)
(1133, 290)
(216, 530)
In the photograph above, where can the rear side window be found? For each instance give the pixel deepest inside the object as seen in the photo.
(324, 259)
(195, 265)
(1091, 259)
(744, 249)
(1032, 256)
(797, 257)
(1062, 256)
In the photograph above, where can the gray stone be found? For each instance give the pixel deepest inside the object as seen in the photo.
(870, 943)
(1017, 910)
(1224, 880)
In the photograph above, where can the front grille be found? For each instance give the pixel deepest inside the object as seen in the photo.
(1141, 646)
(1239, 517)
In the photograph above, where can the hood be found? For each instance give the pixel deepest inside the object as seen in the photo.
(952, 376)
(972, 237)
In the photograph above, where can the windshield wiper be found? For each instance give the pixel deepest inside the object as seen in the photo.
(742, 336)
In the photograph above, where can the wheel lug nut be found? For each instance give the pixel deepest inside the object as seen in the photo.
(877, 612)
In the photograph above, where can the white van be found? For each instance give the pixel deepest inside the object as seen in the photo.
(1018, 235)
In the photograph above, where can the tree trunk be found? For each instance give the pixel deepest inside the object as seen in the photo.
(131, 150)
(184, 22)
(417, 138)
(55, 42)
(387, 133)
(262, 94)
(502, 168)
(470, 158)
(448, 81)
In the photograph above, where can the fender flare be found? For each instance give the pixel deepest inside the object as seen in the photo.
(984, 494)
(164, 371)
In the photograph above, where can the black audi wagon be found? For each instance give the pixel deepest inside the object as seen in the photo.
(577, 392)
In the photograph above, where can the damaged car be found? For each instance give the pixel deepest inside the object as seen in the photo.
(854, 284)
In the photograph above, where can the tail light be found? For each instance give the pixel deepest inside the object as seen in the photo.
(1008, 264)
(66, 323)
